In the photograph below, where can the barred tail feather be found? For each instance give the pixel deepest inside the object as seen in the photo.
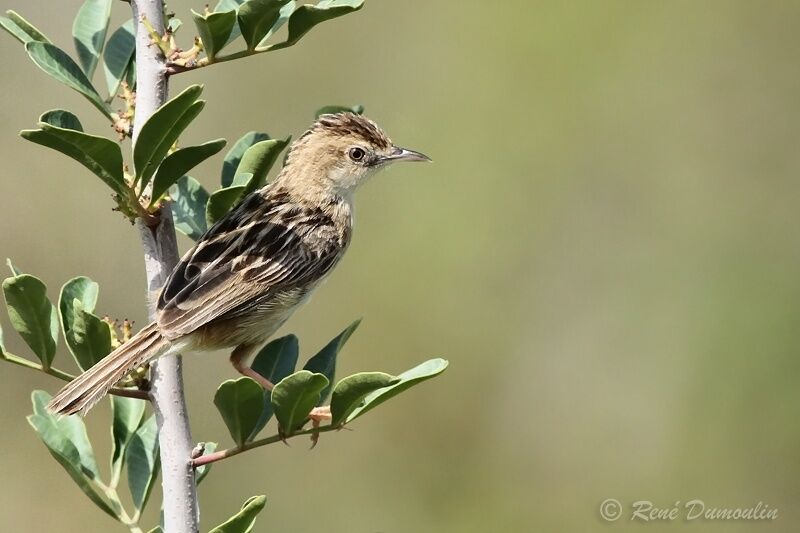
(86, 390)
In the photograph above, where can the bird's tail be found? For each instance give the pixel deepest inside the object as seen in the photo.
(81, 394)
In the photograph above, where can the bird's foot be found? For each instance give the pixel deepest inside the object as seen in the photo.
(317, 416)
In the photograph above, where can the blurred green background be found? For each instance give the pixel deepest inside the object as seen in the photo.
(605, 249)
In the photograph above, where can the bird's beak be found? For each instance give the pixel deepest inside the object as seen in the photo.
(404, 154)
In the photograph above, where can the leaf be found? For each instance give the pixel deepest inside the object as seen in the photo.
(325, 360)
(142, 459)
(234, 155)
(222, 201)
(161, 130)
(82, 289)
(126, 415)
(274, 361)
(202, 471)
(100, 155)
(89, 340)
(350, 392)
(244, 520)
(61, 119)
(89, 32)
(14, 270)
(258, 159)
(118, 55)
(305, 17)
(67, 442)
(409, 378)
(32, 315)
(283, 17)
(61, 67)
(21, 29)
(294, 397)
(179, 163)
(214, 30)
(240, 402)
(256, 19)
(189, 200)
(331, 109)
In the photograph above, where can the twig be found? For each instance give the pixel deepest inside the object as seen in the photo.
(230, 452)
(64, 376)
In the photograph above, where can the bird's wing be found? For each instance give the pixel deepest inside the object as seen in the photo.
(259, 249)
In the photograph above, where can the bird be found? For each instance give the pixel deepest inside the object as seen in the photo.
(253, 268)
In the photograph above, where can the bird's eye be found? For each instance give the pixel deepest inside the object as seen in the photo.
(356, 154)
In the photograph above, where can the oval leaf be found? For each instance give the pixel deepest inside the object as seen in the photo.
(61, 119)
(180, 162)
(100, 155)
(21, 29)
(234, 155)
(118, 55)
(294, 397)
(143, 462)
(409, 378)
(126, 415)
(61, 67)
(305, 17)
(214, 30)
(244, 520)
(89, 339)
(189, 200)
(240, 403)
(350, 392)
(256, 19)
(162, 129)
(82, 289)
(324, 361)
(223, 201)
(258, 159)
(89, 32)
(32, 315)
(274, 361)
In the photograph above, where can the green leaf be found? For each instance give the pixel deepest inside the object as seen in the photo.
(409, 378)
(256, 19)
(89, 32)
(325, 360)
(21, 29)
(100, 155)
(331, 109)
(350, 392)
(222, 201)
(61, 119)
(162, 129)
(61, 67)
(68, 443)
(189, 200)
(234, 155)
(294, 397)
(305, 17)
(142, 459)
(202, 471)
(82, 289)
(274, 361)
(118, 55)
(179, 163)
(240, 403)
(214, 30)
(258, 159)
(126, 414)
(89, 340)
(245, 519)
(32, 315)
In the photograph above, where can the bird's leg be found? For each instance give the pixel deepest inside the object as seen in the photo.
(238, 355)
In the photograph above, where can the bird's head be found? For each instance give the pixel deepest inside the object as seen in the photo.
(340, 151)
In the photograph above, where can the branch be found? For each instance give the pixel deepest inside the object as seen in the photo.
(180, 508)
(64, 376)
(230, 452)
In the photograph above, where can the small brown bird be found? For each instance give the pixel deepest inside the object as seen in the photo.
(251, 270)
